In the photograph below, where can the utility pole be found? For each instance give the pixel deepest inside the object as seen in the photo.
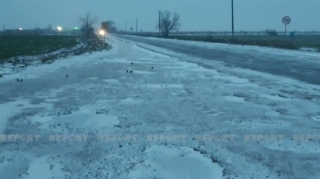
(232, 19)
(159, 21)
(285, 31)
(136, 25)
(125, 27)
(4, 27)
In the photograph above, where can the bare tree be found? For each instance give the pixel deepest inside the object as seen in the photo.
(87, 25)
(167, 24)
(271, 32)
(49, 27)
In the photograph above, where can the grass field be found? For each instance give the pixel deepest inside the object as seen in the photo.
(294, 43)
(12, 46)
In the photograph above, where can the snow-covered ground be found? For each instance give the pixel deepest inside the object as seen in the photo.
(168, 119)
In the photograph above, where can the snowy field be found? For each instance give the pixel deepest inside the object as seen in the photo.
(245, 48)
(169, 119)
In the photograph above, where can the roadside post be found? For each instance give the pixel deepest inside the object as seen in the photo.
(286, 21)
(232, 15)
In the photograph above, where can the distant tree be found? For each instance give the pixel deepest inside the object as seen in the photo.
(37, 31)
(271, 32)
(87, 28)
(167, 24)
(49, 28)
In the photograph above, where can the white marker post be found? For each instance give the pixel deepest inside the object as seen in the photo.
(286, 20)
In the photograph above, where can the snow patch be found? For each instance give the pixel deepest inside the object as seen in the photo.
(175, 163)
(41, 119)
(116, 60)
(158, 86)
(130, 101)
(308, 49)
(11, 108)
(43, 168)
(102, 121)
(143, 72)
(111, 81)
(93, 78)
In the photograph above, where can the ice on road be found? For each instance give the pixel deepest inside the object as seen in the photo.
(174, 117)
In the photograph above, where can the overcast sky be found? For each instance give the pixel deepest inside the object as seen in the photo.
(196, 15)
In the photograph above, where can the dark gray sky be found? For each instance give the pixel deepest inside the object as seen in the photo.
(213, 15)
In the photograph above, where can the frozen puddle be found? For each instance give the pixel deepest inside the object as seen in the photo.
(175, 163)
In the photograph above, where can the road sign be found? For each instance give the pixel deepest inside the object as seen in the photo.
(286, 20)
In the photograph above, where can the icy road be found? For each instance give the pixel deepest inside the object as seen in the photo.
(140, 111)
(305, 68)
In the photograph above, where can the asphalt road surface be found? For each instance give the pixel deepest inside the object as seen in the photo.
(305, 69)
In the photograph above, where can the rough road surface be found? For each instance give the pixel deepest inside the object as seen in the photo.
(175, 117)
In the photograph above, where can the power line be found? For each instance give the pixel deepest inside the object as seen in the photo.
(232, 18)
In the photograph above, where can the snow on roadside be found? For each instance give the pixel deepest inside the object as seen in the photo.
(175, 163)
(308, 49)
(45, 168)
(32, 71)
(243, 48)
(10, 109)
(96, 123)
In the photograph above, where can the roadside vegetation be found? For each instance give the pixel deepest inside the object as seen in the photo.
(271, 39)
(280, 42)
(16, 45)
(21, 48)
